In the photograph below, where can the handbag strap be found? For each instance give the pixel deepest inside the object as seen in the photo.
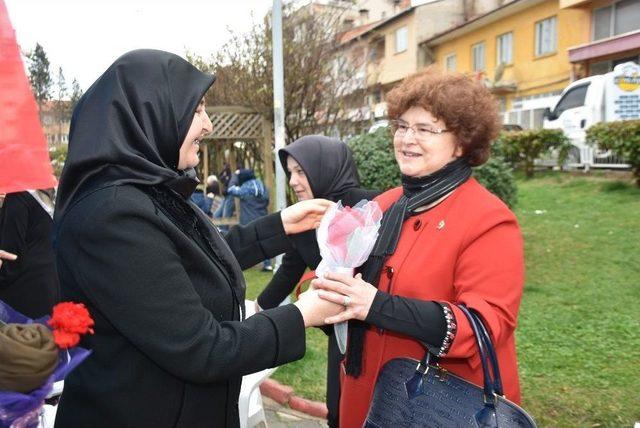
(495, 368)
(491, 375)
(489, 389)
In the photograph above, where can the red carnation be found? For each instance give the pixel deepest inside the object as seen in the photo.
(70, 320)
(65, 339)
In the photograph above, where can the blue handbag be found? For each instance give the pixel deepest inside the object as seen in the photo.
(410, 393)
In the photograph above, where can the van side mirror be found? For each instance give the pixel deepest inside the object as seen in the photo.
(548, 114)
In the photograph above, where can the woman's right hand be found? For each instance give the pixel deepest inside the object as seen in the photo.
(304, 215)
(315, 310)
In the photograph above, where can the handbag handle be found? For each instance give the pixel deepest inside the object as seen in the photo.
(497, 378)
(489, 387)
(492, 379)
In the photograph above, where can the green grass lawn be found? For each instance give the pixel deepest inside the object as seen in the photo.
(579, 331)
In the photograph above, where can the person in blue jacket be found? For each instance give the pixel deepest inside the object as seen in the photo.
(254, 200)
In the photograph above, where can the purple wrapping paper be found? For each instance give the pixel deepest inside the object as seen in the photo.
(19, 410)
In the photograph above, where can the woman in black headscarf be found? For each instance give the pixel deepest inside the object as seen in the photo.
(30, 283)
(317, 167)
(165, 289)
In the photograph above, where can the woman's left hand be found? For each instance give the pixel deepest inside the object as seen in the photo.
(6, 256)
(355, 294)
(304, 215)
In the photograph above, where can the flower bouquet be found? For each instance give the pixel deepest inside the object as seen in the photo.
(346, 237)
(33, 358)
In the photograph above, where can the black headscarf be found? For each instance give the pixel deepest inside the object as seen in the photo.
(327, 163)
(129, 126)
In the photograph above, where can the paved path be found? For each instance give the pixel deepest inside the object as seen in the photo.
(283, 417)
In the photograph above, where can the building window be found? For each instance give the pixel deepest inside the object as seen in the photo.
(376, 49)
(504, 48)
(502, 104)
(375, 97)
(600, 67)
(402, 39)
(546, 36)
(451, 62)
(618, 18)
(425, 55)
(477, 56)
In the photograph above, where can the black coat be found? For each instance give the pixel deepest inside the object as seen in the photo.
(169, 348)
(30, 283)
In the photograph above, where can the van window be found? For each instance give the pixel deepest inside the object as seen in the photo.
(572, 99)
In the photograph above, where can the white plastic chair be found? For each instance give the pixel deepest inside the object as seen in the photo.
(48, 412)
(250, 406)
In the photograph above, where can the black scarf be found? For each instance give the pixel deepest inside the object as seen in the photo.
(129, 125)
(327, 163)
(418, 192)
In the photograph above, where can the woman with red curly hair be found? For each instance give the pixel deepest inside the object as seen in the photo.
(444, 240)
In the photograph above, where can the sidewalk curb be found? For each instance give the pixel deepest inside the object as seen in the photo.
(284, 395)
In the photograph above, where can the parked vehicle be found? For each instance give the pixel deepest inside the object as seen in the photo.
(379, 124)
(602, 98)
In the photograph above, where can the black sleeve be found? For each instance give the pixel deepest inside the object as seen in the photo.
(284, 280)
(138, 282)
(13, 235)
(355, 195)
(261, 239)
(422, 319)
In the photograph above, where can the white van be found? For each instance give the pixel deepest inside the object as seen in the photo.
(603, 98)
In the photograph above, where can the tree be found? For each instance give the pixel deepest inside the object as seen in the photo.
(76, 94)
(39, 76)
(61, 105)
(316, 80)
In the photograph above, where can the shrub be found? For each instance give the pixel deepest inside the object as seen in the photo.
(373, 154)
(58, 156)
(622, 138)
(496, 175)
(522, 148)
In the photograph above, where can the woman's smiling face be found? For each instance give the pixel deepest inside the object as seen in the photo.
(298, 180)
(200, 126)
(422, 144)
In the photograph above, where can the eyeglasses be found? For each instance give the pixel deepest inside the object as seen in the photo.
(421, 131)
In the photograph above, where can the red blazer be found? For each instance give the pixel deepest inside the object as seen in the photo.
(468, 249)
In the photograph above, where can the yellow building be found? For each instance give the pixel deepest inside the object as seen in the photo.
(387, 51)
(614, 36)
(520, 50)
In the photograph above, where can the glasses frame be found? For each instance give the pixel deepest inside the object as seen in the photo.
(395, 123)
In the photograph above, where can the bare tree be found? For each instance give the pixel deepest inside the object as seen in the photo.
(61, 105)
(76, 94)
(316, 80)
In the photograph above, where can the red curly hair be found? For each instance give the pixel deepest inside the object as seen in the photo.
(467, 108)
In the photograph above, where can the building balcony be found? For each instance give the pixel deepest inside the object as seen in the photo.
(566, 4)
(503, 88)
(605, 47)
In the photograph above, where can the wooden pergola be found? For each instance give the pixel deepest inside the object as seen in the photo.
(230, 125)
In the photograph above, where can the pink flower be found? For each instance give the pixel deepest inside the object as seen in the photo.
(344, 223)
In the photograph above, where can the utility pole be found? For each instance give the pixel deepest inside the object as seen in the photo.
(278, 109)
(278, 101)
